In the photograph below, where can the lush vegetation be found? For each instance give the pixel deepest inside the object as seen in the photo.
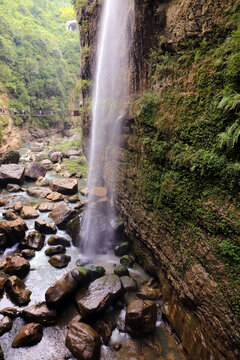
(39, 58)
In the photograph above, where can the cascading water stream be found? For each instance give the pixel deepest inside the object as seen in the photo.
(109, 105)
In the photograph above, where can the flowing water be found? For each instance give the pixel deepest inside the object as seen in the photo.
(109, 105)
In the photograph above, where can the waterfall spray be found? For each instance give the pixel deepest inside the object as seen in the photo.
(109, 104)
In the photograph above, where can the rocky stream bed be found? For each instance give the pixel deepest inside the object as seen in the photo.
(55, 304)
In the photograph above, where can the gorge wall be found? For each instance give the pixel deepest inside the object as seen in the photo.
(178, 182)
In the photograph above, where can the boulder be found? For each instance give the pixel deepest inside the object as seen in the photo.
(63, 288)
(12, 232)
(18, 206)
(104, 329)
(58, 168)
(122, 249)
(38, 191)
(98, 192)
(2, 283)
(121, 270)
(59, 240)
(3, 263)
(17, 291)
(12, 173)
(34, 170)
(44, 227)
(47, 164)
(64, 186)
(141, 317)
(127, 261)
(46, 206)
(5, 325)
(83, 342)
(28, 253)
(94, 272)
(30, 335)
(56, 157)
(73, 152)
(59, 261)
(42, 181)
(4, 202)
(29, 212)
(17, 265)
(34, 241)
(36, 146)
(61, 214)
(129, 284)
(11, 312)
(11, 157)
(55, 196)
(149, 293)
(73, 199)
(99, 295)
(40, 313)
(54, 250)
(9, 215)
(13, 188)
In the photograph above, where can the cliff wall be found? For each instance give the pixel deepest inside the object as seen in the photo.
(178, 182)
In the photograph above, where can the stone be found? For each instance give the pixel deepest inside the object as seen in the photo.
(83, 342)
(59, 240)
(59, 261)
(129, 284)
(66, 174)
(17, 291)
(34, 241)
(72, 152)
(5, 325)
(13, 188)
(141, 317)
(58, 168)
(13, 232)
(61, 214)
(44, 227)
(84, 192)
(121, 249)
(56, 157)
(10, 215)
(18, 206)
(11, 174)
(29, 212)
(104, 329)
(47, 164)
(11, 312)
(64, 186)
(149, 293)
(28, 253)
(78, 175)
(46, 206)
(63, 288)
(4, 202)
(3, 263)
(34, 170)
(74, 198)
(36, 146)
(40, 313)
(127, 261)
(38, 191)
(55, 196)
(121, 270)
(94, 272)
(98, 192)
(54, 250)
(30, 335)
(98, 295)
(11, 157)
(73, 228)
(42, 181)
(17, 265)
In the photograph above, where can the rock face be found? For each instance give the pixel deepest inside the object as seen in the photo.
(40, 313)
(34, 170)
(64, 186)
(83, 342)
(12, 173)
(61, 214)
(13, 232)
(30, 335)
(17, 291)
(141, 317)
(99, 295)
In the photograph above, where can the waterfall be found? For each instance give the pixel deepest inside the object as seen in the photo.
(109, 104)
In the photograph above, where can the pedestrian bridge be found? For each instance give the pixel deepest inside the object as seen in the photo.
(44, 113)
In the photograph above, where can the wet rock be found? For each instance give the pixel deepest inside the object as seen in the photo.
(11, 312)
(4, 202)
(121, 270)
(56, 157)
(13, 232)
(94, 272)
(63, 288)
(17, 291)
(149, 293)
(117, 346)
(40, 313)
(3, 263)
(74, 198)
(98, 192)
(129, 284)
(11, 157)
(2, 283)
(30, 335)
(42, 181)
(84, 192)
(29, 212)
(73, 229)
(34, 241)
(11, 174)
(54, 250)
(55, 196)
(10, 215)
(34, 170)
(5, 325)
(44, 227)
(38, 191)
(122, 249)
(61, 214)
(59, 261)
(83, 342)
(18, 206)
(64, 186)
(104, 329)
(47, 164)
(141, 317)
(46, 206)
(127, 261)
(102, 205)
(18, 266)
(59, 240)
(12, 188)
(28, 253)
(99, 295)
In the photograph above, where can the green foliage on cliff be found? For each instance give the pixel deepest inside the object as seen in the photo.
(39, 58)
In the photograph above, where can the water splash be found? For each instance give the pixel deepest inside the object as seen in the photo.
(109, 106)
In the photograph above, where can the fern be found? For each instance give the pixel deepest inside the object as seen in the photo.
(230, 102)
(230, 137)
